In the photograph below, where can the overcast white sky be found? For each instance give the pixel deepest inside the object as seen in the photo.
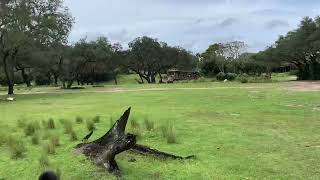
(192, 24)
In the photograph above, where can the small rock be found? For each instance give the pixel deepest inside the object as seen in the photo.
(226, 80)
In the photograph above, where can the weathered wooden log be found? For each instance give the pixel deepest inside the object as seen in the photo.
(103, 150)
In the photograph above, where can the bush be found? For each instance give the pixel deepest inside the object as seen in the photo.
(96, 119)
(31, 128)
(51, 124)
(148, 124)
(230, 76)
(90, 125)
(79, 120)
(221, 76)
(41, 80)
(17, 148)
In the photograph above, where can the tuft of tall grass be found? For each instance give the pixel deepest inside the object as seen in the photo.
(21, 123)
(49, 148)
(96, 119)
(68, 128)
(17, 148)
(35, 139)
(55, 140)
(148, 124)
(51, 124)
(134, 124)
(73, 136)
(79, 119)
(31, 128)
(90, 125)
(171, 135)
(44, 161)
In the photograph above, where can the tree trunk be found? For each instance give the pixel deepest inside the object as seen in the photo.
(25, 77)
(160, 76)
(103, 151)
(115, 79)
(8, 70)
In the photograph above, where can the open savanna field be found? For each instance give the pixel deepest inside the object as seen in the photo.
(236, 131)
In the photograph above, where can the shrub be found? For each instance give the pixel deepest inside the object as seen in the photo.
(96, 119)
(44, 160)
(68, 128)
(171, 135)
(17, 148)
(221, 76)
(231, 76)
(90, 125)
(49, 148)
(35, 139)
(79, 120)
(55, 140)
(148, 124)
(73, 136)
(51, 124)
(31, 128)
(41, 80)
(244, 80)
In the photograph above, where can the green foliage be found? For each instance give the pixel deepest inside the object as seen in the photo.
(35, 139)
(134, 123)
(149, 125)
(31, 128)
(221, 76)
(96, 119)
(44, 161)
(51, 124)
(79, 119)
(73, 136)
(68, 127)
(55, 140)
(17, 148)
(90, 125)
(49, 148)
(171, 135)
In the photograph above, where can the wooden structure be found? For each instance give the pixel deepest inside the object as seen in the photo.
(179, 75)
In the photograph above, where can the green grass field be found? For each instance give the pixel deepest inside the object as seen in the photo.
(236, 131)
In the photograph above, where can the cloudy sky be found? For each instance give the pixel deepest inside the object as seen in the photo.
(192, 24)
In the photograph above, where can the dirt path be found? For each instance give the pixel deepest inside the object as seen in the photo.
(303, 86)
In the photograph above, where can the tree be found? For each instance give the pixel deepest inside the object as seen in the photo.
(299, 47)
(30, 23)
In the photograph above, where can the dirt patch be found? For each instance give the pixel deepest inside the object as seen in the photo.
(304, 86)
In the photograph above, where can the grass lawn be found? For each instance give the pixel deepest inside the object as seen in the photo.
(236, 131)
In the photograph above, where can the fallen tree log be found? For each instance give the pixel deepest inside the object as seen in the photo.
(103, 151)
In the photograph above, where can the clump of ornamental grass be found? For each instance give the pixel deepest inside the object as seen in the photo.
(51, 124)
(79, 119)
(31, 128)
(49, 148)
(148, 124)
(171, 135)
(55, 140)
(68, 128)
(90, 125)
(17, 148)
(96, 119)
(73, 136)
(35, 139)
(44, 161)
